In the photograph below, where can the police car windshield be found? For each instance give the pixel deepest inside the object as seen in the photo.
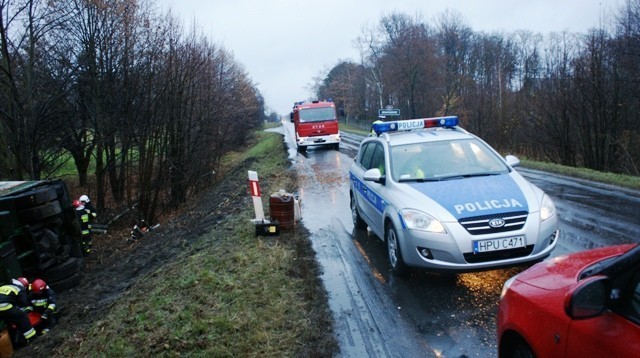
(317, 114)
(444, 160)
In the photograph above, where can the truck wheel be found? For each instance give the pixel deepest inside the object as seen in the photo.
(302, 148)
(35, 214)
(34, 198)
(65, 284)
(46, 243)
(336, 146)
(62, 193)
(63, 270)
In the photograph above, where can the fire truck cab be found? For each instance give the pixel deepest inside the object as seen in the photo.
(316, 123)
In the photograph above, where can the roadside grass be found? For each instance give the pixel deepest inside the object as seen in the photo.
(231, 293)
(626, 181)
(353, 129)
(271, 124)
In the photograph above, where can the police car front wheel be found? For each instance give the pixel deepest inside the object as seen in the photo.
(398, 267)
(357, 220)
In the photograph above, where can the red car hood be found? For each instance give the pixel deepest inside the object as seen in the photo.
(558, 272)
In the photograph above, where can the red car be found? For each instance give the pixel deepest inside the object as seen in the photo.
(585, 304)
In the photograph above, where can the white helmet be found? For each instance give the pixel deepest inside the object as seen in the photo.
(84, 198)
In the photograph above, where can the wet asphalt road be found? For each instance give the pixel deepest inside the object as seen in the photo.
(428, 314)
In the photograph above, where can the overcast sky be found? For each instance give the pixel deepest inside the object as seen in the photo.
(285, 44)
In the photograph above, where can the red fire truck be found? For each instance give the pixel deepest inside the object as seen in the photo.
(316, 123)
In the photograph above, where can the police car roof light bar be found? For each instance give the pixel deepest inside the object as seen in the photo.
(411, 124)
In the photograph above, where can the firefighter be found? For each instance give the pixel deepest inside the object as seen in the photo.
(85, 227)
(13, 306)
(86, 202)
(379, 120)
(42, 299)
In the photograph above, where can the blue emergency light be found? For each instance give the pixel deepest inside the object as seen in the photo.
(411, 124)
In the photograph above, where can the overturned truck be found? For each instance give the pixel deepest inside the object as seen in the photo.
(40, 234)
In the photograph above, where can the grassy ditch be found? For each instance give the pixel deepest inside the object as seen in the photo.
(229, 293)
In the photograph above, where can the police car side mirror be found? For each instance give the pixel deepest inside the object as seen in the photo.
(512, 160)
(374, 175)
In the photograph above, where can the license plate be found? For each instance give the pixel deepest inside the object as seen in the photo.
(498, 244)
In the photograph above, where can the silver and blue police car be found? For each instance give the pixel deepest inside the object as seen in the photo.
(443, 199)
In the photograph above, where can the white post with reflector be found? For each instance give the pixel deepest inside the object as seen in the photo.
(254, 186)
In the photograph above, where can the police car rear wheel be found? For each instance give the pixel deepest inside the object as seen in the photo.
(357, 220)
(398, 266)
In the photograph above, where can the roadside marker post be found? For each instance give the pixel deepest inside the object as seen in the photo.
(254, 186)
(263, 226)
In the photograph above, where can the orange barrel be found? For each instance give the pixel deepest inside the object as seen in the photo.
(281, 208)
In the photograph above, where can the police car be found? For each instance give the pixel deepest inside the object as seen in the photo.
(443, 199)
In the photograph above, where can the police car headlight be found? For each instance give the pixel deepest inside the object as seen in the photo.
(418, 220)
(548, 209)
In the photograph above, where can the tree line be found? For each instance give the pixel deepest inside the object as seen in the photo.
(567, 98)
(143, 108)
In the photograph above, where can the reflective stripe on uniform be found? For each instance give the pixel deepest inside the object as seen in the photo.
(86, 226)
(29, 334)
(5, 306)
(39, 302)
(8, 290)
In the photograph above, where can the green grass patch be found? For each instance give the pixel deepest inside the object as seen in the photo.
(234, 297)
(266, 151)
(268, 125)
(353, 129)
(627, 181)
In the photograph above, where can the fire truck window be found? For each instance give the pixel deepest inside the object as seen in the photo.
(317, 114)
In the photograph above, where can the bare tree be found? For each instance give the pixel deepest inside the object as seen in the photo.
(454, 41)
(553, 107)
(627, 49)
(29, 86)
(411, 64)
(597, 85)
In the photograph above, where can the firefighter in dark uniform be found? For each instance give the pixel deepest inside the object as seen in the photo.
(42, 299)
(86, 202)
(85, 226)
(13, 304)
